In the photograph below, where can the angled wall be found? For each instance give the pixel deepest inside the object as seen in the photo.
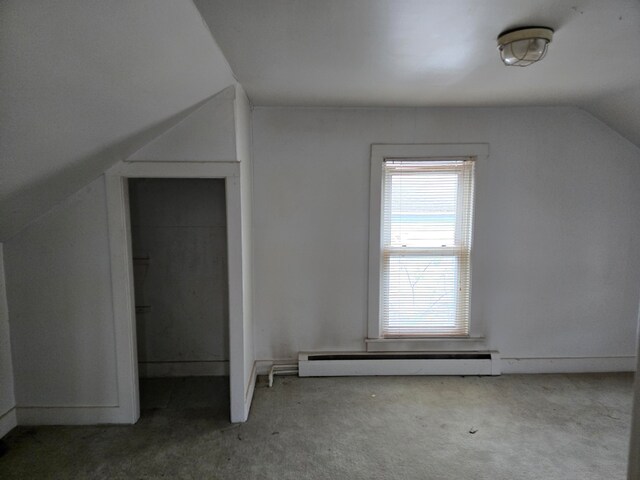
(193, 139)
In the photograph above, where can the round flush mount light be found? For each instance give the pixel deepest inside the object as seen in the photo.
(523, 46)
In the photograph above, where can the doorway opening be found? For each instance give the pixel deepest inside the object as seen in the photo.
(181, 291)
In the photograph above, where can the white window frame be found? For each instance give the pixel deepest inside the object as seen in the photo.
(375, 341)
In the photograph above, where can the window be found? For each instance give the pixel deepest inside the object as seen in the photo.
(421, 240)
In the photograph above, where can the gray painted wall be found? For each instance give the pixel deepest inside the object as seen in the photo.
(556, 268)
(7, 398)
(180, 226)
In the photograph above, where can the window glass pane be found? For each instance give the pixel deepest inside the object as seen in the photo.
(422, 209)
(421, 294)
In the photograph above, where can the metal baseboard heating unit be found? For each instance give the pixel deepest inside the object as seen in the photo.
(344, 364)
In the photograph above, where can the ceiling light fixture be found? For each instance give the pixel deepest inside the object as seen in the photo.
(521, 47)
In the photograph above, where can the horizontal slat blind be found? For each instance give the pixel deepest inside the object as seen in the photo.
(426, 247)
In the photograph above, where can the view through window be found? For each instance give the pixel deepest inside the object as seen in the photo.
(426, 247)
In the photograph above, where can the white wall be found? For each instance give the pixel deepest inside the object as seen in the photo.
(206, 135)
(59, 296)
(179, 226)
(7, 397)
(556, 268)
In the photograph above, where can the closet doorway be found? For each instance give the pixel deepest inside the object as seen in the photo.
(181, 292)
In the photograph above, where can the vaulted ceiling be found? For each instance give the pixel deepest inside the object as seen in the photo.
(84, 83)
(432, 53)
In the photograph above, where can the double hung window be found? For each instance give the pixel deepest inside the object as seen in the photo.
(423, 247)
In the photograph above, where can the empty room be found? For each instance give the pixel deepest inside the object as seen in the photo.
(319, 239)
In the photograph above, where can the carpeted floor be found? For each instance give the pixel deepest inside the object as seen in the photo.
(512, 427)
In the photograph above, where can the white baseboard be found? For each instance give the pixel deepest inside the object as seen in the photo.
(351, 368)
(355, 364)
(69, 415)
(513, 365)
(183, 369)
(8, 421)
(568, 364)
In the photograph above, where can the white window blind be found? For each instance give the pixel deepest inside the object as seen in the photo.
(426, 247)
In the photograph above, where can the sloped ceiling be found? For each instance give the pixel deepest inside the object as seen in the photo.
(88, 82)
(432, 53)
(84, 83)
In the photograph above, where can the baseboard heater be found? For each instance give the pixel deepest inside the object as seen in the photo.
(346, 364)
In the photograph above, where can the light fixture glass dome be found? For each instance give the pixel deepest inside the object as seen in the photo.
(524, 46)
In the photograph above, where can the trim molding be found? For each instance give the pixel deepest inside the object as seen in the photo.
(216, 368)
(8, 421)
(379, 152)
(250, 389)
(532, 365)
(71, 415)
(568, 364)
(122, 275)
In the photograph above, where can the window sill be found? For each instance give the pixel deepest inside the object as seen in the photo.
(424, 344)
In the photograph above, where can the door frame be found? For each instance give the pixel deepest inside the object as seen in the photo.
(122, 275)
